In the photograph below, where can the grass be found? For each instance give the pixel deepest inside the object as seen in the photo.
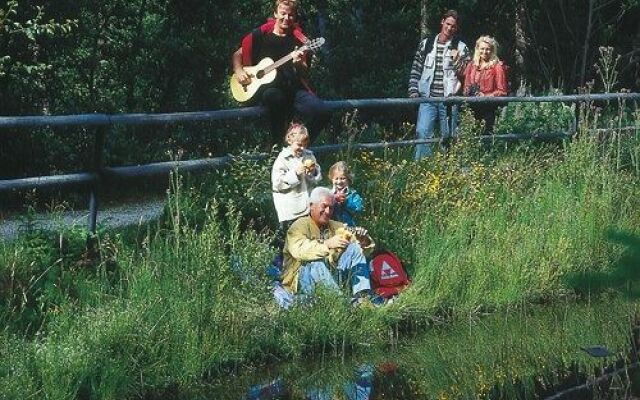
(185, 302)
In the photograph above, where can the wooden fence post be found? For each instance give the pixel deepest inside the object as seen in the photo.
(97, 167)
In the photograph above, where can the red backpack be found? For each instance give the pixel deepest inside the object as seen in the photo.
(388, 276)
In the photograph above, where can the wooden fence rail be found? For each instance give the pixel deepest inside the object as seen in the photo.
(102, 122)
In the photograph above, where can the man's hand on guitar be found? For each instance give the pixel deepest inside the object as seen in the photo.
(242, 76)
(297, 56)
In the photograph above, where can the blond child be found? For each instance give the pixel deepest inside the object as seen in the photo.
(294, 173)
(348, 203)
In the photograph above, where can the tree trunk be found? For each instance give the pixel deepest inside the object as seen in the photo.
(424, 18)
(585, 49)
(134, 49)
(520, 45)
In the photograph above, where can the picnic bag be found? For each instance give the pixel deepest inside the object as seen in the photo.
(388, 276)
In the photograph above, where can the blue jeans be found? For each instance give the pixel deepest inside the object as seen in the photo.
(428, 113)
(352, 268)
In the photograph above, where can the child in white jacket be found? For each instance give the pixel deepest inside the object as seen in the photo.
(293, 176)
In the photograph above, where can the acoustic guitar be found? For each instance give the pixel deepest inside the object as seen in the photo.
(263, 73)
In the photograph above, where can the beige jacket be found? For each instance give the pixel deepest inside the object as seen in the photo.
(303, 244)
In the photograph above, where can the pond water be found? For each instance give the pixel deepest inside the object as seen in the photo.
(526, 352)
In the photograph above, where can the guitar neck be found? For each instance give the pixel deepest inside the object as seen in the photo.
(278, 63)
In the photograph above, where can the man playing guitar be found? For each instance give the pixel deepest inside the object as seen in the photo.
(289, 91)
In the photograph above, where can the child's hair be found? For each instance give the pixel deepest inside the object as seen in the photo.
(297, 132)
(341, 166)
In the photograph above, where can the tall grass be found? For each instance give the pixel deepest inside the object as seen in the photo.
(485, 231)
(520, 249)
(189, 301)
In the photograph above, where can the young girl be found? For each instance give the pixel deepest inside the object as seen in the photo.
(348, 202)
(293, 175)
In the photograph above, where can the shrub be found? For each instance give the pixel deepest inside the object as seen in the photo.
(525, 118)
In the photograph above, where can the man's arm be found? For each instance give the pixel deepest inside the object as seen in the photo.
(416, 72)
(238, 69)
(304, 249)
(300, 64)
(461, 60)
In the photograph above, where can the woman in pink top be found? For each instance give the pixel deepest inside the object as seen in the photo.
(485, 76)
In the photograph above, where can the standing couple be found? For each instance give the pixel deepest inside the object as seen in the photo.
(441, 68)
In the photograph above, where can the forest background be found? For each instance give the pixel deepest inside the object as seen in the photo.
(80, 56)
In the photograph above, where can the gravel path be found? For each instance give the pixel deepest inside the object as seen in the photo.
(120, 216)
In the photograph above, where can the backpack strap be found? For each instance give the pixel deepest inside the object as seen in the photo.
(430, 41)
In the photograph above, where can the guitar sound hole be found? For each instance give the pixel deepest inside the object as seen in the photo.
(260, 74)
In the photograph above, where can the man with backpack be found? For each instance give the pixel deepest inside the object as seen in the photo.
(435, 73)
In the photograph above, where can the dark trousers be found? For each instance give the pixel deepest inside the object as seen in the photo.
(282, 106)
(281, 234)
(486, 113)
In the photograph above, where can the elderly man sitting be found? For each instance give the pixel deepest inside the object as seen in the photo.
(315, 243)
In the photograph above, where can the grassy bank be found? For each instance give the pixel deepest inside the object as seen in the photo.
(162, 308)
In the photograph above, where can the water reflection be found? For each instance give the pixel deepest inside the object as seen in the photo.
(358, 387)
(526, 352)
(275, 389)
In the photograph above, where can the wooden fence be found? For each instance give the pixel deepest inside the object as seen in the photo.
(100, 173)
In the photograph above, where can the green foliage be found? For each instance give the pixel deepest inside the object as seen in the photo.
(246, 185)
(527, 118)
(354, 33)
(527, 259)
(44, 271)
(17, 379)
(190, 301)
(31, 31)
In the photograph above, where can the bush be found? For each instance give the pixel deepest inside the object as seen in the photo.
(527, 118)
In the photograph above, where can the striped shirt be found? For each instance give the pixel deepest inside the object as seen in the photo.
(418, 66)
(437, 86)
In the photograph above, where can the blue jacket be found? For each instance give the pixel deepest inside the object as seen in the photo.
(347, 211)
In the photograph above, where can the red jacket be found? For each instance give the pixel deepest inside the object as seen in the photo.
(491, 80)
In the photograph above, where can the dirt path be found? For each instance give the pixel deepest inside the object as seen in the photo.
(119, 216)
